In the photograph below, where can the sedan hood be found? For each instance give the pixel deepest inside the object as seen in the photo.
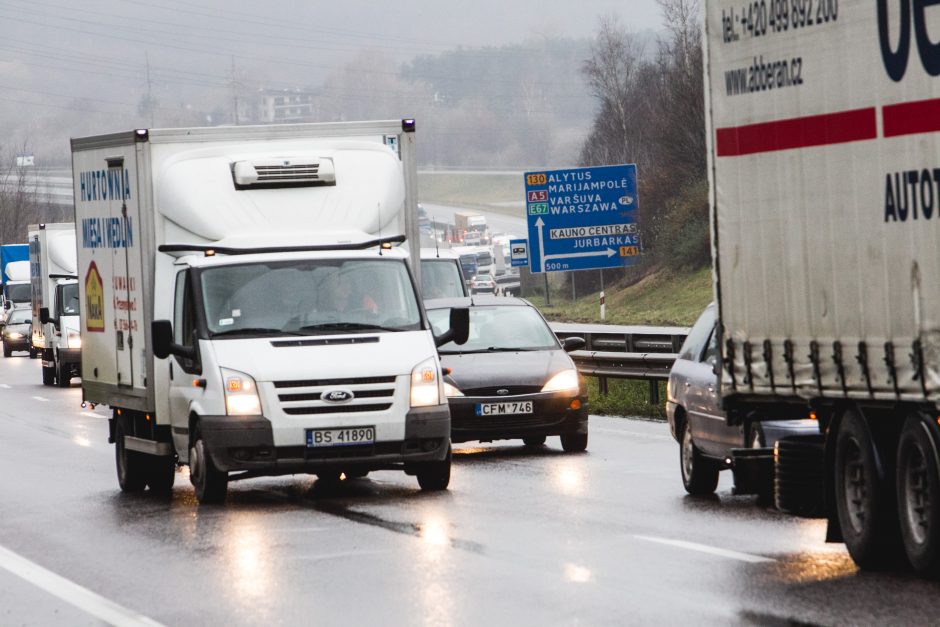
(525, 369)
(345, 356)
(22, 327)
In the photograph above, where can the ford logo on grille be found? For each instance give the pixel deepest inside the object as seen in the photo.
(502, 392)
(337, 396)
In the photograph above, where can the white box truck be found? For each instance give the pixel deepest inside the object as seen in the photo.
(56, 329)
(246, 310)
(824, 133)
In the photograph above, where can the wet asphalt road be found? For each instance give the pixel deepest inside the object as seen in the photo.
(606, 537)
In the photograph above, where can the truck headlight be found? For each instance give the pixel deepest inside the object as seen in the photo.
(241, 393)
(74, 339)
(564, 381)
(425, 384)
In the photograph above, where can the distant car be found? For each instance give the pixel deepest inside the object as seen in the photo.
(512, 379)
(472, 238)
(16, 331)
(696, 419)
(483, 283)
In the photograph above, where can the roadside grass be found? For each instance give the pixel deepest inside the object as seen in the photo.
(626, 397)
(663, 298)
(489, 191)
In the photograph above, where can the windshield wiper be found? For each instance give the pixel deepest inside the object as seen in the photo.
(254, 331)
(491, 349)
(347, 326)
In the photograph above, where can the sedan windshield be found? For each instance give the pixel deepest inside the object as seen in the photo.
(20, 292)
(309, 297)
(440, 278)
(497, 329)
(20, 316)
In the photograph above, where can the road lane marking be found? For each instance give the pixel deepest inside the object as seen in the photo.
(633, 434)
(340, 555)
(711, 550)
(39, 398)
(84, 599)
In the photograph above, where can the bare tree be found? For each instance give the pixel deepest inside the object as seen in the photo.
(21, 202)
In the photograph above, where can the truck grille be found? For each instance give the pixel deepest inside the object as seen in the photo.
(305, 397)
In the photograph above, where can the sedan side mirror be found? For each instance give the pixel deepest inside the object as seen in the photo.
(573, 344)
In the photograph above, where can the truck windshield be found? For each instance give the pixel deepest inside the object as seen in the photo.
(19, 293)
(68, 305)
(440, 278)
(309, 297)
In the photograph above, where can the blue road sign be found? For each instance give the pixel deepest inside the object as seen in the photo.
(582, 218)
(518, 252)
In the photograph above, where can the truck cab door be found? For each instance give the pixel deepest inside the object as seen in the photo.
(183, 371)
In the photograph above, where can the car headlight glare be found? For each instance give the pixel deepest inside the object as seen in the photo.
(14, 335)
(241, 394)
(564, 381)
(425, 384)
(74, 339)
(451, 390)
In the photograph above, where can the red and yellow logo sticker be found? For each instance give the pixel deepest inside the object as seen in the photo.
(94, 300)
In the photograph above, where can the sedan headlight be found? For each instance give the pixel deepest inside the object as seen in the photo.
(74, 339)
(241, 393)
(564, 381)
(14, 335)
(425, 386)
(451, 390)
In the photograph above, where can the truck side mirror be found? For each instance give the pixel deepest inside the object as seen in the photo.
(161, 336)
(459, 329)
(44, 315)
(573, 343)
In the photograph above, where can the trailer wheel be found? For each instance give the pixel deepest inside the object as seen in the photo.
(798, 476)
(918, 489)
(33, 353)
(864, 500)
(434, 476)
(211, 484)
(699, 474)
(131, 465)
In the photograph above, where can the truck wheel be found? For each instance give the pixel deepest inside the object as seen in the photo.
(918, 483)
(131, 465)
(574, 442)
(864, 501)
(161, 474)
(534, 441)
(48, 375)
(434, 476)
(699, 474)
(211, 484)
(7, 351)
(63, 376)
(799, 476)
(33, 353)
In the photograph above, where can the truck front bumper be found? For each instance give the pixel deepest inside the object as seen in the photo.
(246, 443)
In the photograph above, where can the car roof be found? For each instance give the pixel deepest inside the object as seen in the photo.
(483, 300)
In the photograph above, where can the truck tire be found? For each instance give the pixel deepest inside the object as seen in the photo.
(799, 476)
(33, 353)
(48, 375)
(211, 484)
(434, 476)
(131, 465)
(161, 474)
(699, 474)
(864, 499)
(63, 376)
(7, 351)
(918, 491)
(574, 442)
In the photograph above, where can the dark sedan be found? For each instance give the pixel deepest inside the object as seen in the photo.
(16, 331)
(512, 379)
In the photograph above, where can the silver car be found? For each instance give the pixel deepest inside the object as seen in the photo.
(696, 419)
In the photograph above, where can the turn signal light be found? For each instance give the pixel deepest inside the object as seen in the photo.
(575, 404)
(812, 416)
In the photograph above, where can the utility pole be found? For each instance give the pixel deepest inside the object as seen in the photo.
(234, 94)
(149, 90)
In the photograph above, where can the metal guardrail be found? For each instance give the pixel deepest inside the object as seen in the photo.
(625, 352)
